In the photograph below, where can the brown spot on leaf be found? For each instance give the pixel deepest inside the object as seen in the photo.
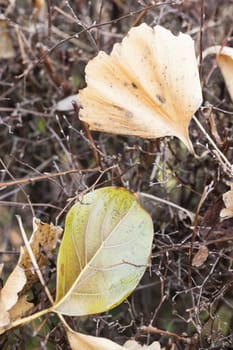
(161, 99)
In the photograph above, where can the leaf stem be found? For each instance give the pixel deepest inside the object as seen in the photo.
(21, 321)
(156, 330)
(222, 158)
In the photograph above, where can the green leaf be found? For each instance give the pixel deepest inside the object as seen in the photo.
(104, 252)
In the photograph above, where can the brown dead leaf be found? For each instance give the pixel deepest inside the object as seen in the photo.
(143, 87)
(201, 256)
(9, 294)
(39, 10)
(133, 345)
(227, 197)
(225, 62)
(43, 241)
(20, 308)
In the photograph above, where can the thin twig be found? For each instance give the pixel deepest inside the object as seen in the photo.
(19, 185)
(201, 37)
(156, 330)
(205, 194)
(190, 214)
(79, 195)
(227, 166)
(87, 29)
(25, 111)
(46, 176)
(33, 259)
(88, 135)
(24, 204)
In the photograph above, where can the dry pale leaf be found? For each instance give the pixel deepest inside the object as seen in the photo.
(80, 341)
(133, 345)
(6, 43)
(201, 256)
(225, 62)
(87, 342)
(66, 104)
(227, 212)
(9, 294)
(1, 269)
(148, 86)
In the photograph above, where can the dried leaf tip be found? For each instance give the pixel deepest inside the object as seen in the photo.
(225, 62)
(148, 86)
(227, 212)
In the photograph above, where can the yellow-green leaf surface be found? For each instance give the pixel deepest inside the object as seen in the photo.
(104, 251)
